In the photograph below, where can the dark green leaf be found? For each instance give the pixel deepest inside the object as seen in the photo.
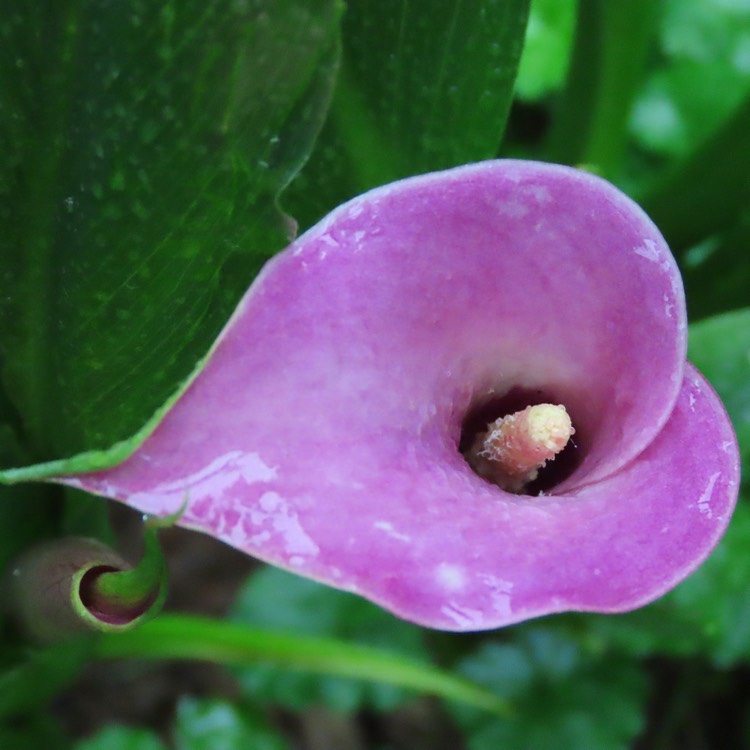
(705, 194)
(563, 696)
(716, 272)
(34, 732)
(143, 147)
(84, 515)
(283, 602)
(27, 513)
(420, 89)
(121, 738)
(30, 680)
(218, 725)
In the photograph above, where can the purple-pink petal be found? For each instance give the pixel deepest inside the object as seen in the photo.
(322, 435)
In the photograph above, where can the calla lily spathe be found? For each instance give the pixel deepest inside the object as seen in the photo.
(323, 434)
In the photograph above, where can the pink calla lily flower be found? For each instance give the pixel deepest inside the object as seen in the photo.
(327, 433)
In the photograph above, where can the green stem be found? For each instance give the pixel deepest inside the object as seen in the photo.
(609, 56)
(706, 193)
(201, 639)
(709, 289)
(127, 588)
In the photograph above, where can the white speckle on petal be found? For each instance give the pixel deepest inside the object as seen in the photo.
(648, 251)
(540, 193)
(264, 536)
(387, 527)
(212, 481)
(500, 591)
(704, 503)
(512, 209)
(463, 616)
(270, 501)
(276, 516)
(668, 306)
(450, 577)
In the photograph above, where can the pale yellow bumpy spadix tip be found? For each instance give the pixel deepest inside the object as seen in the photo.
(516, 446)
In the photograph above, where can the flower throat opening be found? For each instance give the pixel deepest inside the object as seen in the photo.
(524, 442)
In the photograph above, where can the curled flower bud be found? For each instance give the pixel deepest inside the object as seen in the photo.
(64, 587)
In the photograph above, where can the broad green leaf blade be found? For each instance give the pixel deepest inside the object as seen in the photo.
(196, 638)
(143, 148)
(29, 682)
(420, 89)
(121, 738)
(565, 696)
(34, 732)
(27, 511)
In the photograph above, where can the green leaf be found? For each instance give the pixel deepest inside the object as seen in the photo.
(27, 513)
(216, 724)
(30, 680)
(196, 638)
(121, 738)
(143, 149)
(420, 89)
(283, 602)
(34, 732)
(563, 696)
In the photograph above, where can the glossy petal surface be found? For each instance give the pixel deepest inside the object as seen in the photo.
(323, 434)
